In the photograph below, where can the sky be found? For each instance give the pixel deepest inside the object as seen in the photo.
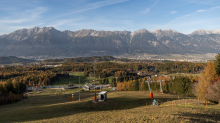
(184, 16)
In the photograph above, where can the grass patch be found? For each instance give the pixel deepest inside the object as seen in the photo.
(74, 78)
(183, 74)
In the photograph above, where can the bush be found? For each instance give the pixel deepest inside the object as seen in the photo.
(9, 99)
(134, 86)
(213, 93)
(182, 85)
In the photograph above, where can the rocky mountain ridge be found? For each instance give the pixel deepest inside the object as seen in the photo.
(205, 32)
(87, 42)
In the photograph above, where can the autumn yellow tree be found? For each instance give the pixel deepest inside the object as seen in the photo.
(124, 86)
(208, 76)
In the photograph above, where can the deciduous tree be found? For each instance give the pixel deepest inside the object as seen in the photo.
(208, 76)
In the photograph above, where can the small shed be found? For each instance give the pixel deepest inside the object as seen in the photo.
(102, 96)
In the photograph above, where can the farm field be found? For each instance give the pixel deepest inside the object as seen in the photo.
(121, 106)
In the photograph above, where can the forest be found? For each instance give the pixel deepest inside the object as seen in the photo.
(180, 67)
(14, 79)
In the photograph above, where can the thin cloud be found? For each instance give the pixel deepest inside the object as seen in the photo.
(59, 23)
(146, 11)
(24, 16)
(200, 10)
(22, 19)
(95, 6)
(210, 9)
(193, 13)
(205, 2)
(173, 12)
(155, 3)
(216, 7)
(180, 18)
(14, 21)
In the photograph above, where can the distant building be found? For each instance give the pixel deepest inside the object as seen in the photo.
(52, 65)
(58, 65)
(129, 70)
(88, 87)
(151, 68)
(140, 73)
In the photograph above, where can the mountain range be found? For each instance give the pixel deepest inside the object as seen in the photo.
(48, 41)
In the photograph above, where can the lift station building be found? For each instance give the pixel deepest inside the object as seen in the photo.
(102, 96)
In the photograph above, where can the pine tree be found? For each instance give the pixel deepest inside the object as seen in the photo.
(217, 64)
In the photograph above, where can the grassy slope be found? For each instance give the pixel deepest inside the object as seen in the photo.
(183, 74)
(75, 79)
(124, 106)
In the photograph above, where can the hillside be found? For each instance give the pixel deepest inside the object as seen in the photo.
(99, 59)
(12, 59)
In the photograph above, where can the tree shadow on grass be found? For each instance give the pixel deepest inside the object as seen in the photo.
(70, 108)
(202, 116)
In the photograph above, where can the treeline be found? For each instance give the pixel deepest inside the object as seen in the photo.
(97, 59)
(104, 69)
(14, 71)
(11, 91)
(107, 69)
(13, 59)
(10, 98)
(85, 66)
(179, 85)
(83, 59)
(13, 81)
(37, 78)
(180, 67)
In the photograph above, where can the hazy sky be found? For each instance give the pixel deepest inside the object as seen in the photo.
(184, 16)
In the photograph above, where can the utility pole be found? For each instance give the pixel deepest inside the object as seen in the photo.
(90, 76)
(149, 85)
(94, 73)
(161, 90)
(94, 84)
(79, 86)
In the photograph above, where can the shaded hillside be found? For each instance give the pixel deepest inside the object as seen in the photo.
(13, 59)
(99, 59)
(83, 59)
